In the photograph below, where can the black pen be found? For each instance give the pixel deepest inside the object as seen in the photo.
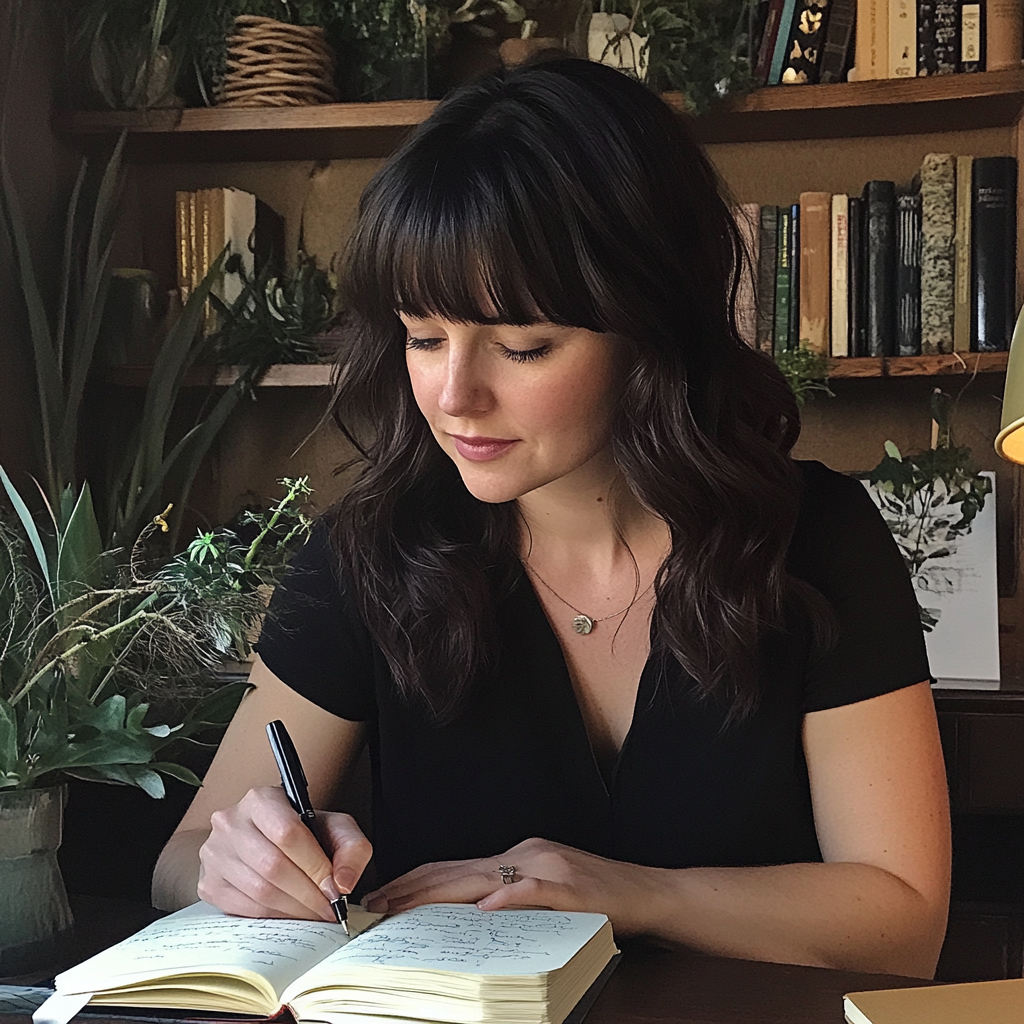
(293, 780)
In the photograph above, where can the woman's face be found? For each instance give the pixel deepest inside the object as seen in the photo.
(515, 408)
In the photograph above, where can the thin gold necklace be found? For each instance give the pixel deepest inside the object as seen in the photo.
(583, 623)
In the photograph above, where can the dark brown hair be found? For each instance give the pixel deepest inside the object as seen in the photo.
(563, 187)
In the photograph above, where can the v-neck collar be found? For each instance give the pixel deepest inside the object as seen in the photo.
(547, 650)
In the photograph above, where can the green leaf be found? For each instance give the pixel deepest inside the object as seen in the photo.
(177, 771)
(29, 526)
(892, 451)
(79, 550)
(9, 758)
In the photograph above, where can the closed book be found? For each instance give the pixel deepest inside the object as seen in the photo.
(972, 37)
(902, 38)
(839, 318)
(183, 242)
(880, 267)
(766, 259)
(756, 21)
(962, 257)
(815, 270)
(871, 52)
(793, 338)
(1004, 20)
(938, 220)
(781, 41)
(977, 1002)
(938, 37)
(769, 35)
(993, 252)
(837, 53)
(855, 276)
(747, 221)
(908, 274)
(806, 42)
(782, 279)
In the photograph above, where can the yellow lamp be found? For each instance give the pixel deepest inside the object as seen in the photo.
(1010, 439)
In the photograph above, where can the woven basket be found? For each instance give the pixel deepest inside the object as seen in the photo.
(274, 64)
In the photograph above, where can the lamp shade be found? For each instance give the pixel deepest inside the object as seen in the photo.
(1010, 439)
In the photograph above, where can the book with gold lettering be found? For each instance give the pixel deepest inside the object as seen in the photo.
(441, 962)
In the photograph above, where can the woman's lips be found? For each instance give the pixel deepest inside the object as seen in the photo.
(481, 449)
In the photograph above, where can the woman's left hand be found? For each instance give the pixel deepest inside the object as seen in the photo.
(547, 875)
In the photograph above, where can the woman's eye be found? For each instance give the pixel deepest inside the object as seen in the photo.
(525, 355)
(423, 344)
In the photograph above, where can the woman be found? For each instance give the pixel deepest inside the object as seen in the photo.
(593, 620)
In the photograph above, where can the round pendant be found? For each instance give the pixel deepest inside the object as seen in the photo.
(583, 624)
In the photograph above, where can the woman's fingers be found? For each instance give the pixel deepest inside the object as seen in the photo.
(350, 850)
(467, 887)
(532, 892)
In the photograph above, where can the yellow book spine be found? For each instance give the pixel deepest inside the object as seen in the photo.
(183, 242)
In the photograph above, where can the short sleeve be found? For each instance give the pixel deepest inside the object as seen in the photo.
(843, 547)
(314, 641)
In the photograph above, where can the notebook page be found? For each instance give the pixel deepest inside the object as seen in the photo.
(202, 939)
(459, 938)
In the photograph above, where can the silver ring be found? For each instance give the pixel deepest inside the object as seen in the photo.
(507, 872)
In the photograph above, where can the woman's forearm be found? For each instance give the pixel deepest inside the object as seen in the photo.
(176, 874)
(843, 915)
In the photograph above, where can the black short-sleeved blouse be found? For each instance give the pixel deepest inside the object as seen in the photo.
(687, 789)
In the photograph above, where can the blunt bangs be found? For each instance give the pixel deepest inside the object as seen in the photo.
(468, 225)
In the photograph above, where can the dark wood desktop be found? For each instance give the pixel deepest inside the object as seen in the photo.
(650, 986)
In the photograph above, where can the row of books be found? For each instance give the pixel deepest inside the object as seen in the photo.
(928, 268)
(795, 42)
(212, 219)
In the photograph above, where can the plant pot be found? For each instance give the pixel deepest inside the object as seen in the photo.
(35, 919)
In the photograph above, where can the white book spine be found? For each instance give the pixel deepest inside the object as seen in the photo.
(902, 38)
(840, 339)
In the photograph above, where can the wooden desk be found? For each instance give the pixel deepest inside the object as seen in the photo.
(650, 986)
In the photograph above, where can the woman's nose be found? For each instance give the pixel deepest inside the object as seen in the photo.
(464, 390)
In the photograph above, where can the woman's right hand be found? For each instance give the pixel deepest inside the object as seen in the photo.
(261, 860)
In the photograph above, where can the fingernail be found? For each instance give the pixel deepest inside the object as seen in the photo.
(329, 889)
(487, 902)
(346, 879)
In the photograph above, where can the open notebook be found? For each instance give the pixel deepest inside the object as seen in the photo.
(444, 962)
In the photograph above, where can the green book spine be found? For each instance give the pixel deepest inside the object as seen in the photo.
(782, 279)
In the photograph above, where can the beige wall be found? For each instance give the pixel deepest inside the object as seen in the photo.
(43, 169)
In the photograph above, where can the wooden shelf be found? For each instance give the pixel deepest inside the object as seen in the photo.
(318, 375)
(336, 130)
(960, 364)
(285, 375)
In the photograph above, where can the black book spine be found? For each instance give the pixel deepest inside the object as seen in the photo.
(837, 52)
(855, 284)
(756, 22)
(972, 37)
(794, 276)
(880, 267)
(993, 252)
(908, 274)
(766, 256)
(806, 43)
(938, 37)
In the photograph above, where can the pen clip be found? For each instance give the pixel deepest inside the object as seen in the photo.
(293, 778)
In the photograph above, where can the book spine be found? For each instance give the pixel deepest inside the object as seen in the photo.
(763, 67)
(766, 260)
(806, 42)
(962, 257)
(880, 267)
(855, 267)
(938, 37)
(782, 280)
(972, 38)
(838, 48)
(793, 335)
(756, 21)
(779, 54)
(938, 209)
(194, 238)
(815, 270)
(1004, 27)
(902, 38)
(993, 252)
(908, 274)
(747, 220)
(871, 51)
(183, 243)
(839, 326)
(204, 243)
